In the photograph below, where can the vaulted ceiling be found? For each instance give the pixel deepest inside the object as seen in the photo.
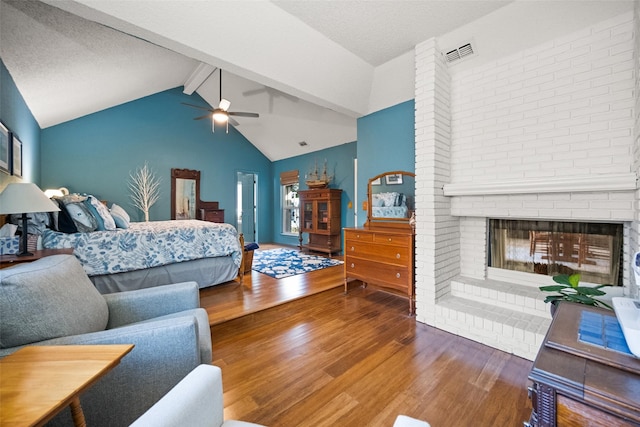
(307, 67)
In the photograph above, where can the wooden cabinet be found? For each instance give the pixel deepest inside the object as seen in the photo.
(578, 384)
(381, 257)
(320, 219)
(209, 211)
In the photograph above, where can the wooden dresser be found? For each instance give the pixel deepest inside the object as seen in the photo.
(381, 256)
(210, 211)
(578, 384)
(320, 219)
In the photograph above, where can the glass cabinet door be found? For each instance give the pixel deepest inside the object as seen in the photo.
(323, 216)
(307, 215)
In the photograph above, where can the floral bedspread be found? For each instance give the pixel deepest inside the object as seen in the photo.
(147, 244)
(389, 212)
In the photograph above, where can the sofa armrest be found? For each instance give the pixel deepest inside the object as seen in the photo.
(143, 304)
(165, 352)
(194, 401)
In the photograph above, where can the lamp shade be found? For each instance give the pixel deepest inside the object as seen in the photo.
(24, 197)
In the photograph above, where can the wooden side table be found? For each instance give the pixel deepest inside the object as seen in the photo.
(577, 384)
(9, 260)
(37, 382)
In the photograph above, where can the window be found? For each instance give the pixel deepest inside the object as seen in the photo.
(290, 212)
(289, 200)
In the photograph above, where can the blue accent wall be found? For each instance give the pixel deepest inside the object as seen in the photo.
(17, 117)
(97, 153)
(339, 164)
(386, 142)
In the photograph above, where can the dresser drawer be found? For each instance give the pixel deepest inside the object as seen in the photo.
(383, 253)
(394, 276)
(357, 235)
(392, 239)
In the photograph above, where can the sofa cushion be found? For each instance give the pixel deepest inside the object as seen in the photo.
(48, 298)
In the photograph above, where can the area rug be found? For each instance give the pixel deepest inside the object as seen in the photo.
(281, 262)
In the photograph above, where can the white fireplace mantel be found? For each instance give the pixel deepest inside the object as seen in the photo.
(574, 184)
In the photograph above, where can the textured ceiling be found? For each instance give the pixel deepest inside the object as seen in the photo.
(378, 31)
(70, 58)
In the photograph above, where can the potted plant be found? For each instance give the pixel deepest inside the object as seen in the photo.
(568, 289)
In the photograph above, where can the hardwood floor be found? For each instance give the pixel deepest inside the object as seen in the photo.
(355, 360)
(258, 292)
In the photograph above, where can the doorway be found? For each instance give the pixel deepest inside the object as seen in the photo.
(246, 208)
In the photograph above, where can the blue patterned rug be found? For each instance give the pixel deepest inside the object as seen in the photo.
(282, 262)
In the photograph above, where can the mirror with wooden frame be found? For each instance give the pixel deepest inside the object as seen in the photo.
(391, 199)
(185, 193)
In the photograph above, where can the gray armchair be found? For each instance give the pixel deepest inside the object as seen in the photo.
(52, 302)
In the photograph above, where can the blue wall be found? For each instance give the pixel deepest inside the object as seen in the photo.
(386, 142)
(339, 164)
(97, 153)
(17, 117)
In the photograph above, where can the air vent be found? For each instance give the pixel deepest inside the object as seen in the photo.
(459, 53)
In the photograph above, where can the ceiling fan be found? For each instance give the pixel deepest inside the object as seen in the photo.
(221, 114)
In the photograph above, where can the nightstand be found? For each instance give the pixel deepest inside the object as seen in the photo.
(9, 260)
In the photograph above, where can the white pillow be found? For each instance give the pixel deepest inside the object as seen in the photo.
(120, 216)
(103, 211)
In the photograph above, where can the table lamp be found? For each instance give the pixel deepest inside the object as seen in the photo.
(23, 198)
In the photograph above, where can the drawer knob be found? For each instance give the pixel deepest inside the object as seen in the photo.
(352, 265)
(397, 256)
(389, 238)
(397, 275)
(352, 248)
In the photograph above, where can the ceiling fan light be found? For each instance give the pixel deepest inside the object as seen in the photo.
(220, 116)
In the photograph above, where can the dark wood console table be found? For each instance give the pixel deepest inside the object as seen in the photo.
(577, 384)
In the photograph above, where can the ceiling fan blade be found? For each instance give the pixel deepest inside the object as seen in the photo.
(203, 117)
(254, 91)
(233, 122)
(197, 106)
(239, 114)
(224, 104)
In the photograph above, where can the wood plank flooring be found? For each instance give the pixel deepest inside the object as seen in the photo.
(354, 360)
(258, 292)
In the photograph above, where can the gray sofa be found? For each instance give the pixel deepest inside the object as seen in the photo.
(52, 302)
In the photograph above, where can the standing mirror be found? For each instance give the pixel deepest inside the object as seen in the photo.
(185, 193)
(391, 199)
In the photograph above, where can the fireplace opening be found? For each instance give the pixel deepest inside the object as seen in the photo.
(553, 247)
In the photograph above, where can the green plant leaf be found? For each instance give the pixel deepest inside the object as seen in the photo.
(563, 279)
(586, 290)
(553, 288)
(574, 280)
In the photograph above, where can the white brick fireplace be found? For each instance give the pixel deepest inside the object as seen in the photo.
(547, 133)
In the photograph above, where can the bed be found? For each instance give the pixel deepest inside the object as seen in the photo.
(154, 253)
(389, 205)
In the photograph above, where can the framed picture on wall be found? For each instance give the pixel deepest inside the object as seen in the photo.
(395, 178)
(4, 148)
(16, 156)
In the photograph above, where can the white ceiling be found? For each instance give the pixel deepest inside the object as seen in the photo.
(307, 67)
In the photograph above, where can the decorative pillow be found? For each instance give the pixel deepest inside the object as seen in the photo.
(48, 298)
(388, 199)
(120, 216)
(62, 221)
(81, 216)
(100, 212)
(376, 201)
